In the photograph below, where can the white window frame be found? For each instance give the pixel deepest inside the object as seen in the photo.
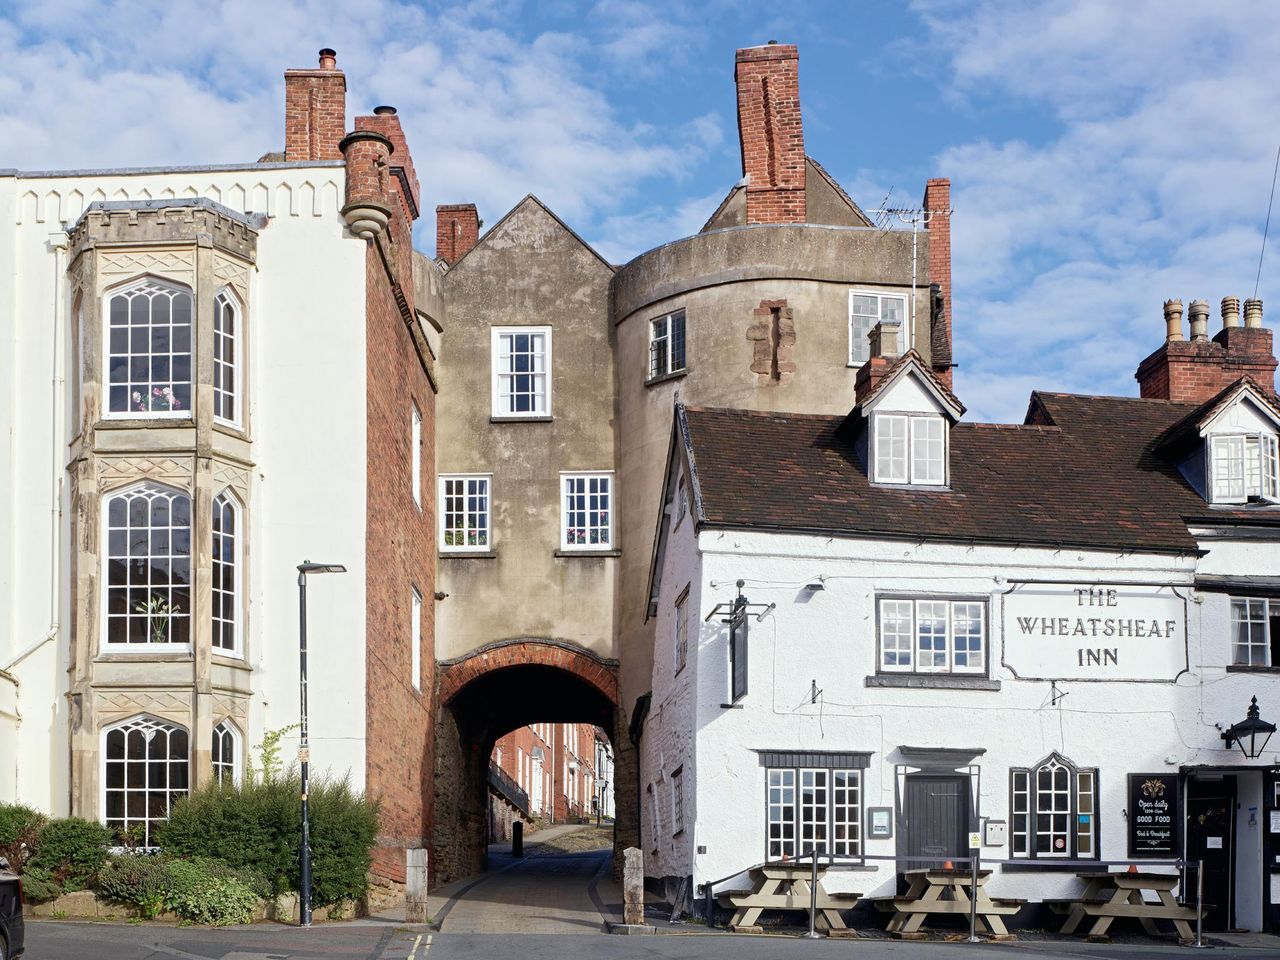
(495, 341)
(226, 729)
(143, 723)
(235, 364)
(415, 453)
(661, 331)
(182, 413)
(863, 342)
(146, 648)
(817, 821)
(1258, 612)
(912, 430)
(1080, 798)
(441, 508)
(677, 801)
(611, 511)
(237, 577)
(415, 638)
(682, 631)
(889, 610)
(1258, 468)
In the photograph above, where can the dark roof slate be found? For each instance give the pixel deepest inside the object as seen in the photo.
(1083, 474)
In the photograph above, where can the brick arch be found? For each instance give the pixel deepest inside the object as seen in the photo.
(599, 673)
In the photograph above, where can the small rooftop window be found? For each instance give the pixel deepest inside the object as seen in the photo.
(1244, 467)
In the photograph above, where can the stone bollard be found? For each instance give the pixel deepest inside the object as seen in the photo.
(633, 887)
(415, 886)
(517, 838)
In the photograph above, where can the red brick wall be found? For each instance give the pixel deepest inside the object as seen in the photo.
(457, 230)
(771, 133)
(315, 112)
(937, 199)
(399, 542)
(386, 122)
(1194, 371)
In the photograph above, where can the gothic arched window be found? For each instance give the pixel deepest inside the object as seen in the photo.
(146, 767)
(148, 351)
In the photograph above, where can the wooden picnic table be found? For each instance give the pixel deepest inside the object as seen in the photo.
(1111, 895)
(785, 886)
(942, 891)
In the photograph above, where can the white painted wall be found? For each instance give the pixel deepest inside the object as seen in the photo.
(829, 639)
(307, 371)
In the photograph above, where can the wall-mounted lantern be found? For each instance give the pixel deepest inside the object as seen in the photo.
(1250, 734)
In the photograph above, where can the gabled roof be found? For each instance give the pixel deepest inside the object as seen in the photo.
(823, 187)
(1188, 430)
(530, 198)
(1086, 475)
(912, 362)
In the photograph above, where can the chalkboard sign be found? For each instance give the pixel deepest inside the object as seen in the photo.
(1155, 804)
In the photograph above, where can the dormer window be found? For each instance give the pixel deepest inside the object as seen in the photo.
(1244, 467)
(910, 449)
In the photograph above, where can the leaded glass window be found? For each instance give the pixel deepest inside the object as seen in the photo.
(148, 351)
(148, 560)
(145, 769)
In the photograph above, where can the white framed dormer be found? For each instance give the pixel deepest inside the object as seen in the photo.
(520, 361)
(866, 309)
(1241, 449)
(909, 419)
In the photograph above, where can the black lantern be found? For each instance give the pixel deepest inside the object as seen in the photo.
(1251, 733)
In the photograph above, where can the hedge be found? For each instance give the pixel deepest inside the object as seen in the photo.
(19, 827)
(202, 891)
(70, 851)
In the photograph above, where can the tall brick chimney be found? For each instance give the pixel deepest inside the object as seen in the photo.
(937, 203)
(1197, 369)
(457, 230)
(386, 122)
(771, 132)
(315, 110)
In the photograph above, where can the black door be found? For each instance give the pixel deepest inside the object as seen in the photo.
(1211, 821)
(936, 811)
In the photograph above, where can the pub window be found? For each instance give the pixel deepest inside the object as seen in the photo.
(677, 802)
(1054, 809)
(911, 450)
(813, 807)
(1245, 467)
(666, 345)
(1255, 632)
(928, 635)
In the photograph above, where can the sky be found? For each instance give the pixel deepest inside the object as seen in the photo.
(1104, 155)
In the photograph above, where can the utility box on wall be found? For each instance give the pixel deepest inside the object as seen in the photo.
(994, 833)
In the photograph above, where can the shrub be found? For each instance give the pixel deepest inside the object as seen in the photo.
(137, 881)
(38, 885)
(257, 826)
(19, 827)
(72, 851)
(198, 893)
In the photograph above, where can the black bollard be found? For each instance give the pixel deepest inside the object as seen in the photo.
(517, 838)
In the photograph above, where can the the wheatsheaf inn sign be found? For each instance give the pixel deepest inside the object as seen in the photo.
(1083, 631)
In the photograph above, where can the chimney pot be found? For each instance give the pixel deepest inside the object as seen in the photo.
(328, 59)
(384, 111)
(1198, 314)
(1173, 320)
(1253, 312)
(884, 339)
(1230, 312)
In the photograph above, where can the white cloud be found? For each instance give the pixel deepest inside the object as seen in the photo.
(1151, 183)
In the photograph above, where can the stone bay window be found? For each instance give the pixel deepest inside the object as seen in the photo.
(145, 768)
(148, 568)
(148, 351)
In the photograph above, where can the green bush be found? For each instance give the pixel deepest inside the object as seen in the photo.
(257, 826)
(19, 827)
(38, 885)
(71, 851)
(136, 881)
(198, 893)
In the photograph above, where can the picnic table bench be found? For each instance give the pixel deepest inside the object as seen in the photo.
(941, 891)
(785, 886)
(1108, 896)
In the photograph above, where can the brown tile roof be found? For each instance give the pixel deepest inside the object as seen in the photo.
(1084, 474)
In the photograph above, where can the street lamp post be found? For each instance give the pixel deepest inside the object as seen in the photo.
(304, 748)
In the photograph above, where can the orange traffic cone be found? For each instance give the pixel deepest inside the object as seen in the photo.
(1133, 868)
(948, 866)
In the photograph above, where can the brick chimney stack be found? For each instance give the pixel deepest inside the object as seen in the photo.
(771, 132)
(937, 204)
(884, 354)
(457, 230)
(1195, 370)
(315, 110)
(386, 122)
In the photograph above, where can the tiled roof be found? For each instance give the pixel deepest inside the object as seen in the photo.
(1082, 473)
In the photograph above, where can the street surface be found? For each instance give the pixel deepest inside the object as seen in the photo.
(549, 907)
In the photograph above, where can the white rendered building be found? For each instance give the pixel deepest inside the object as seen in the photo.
(1013, 630)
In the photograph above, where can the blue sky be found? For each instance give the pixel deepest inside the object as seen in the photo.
(1104, 155)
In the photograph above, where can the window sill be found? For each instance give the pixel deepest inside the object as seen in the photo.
(732, 706)
(915, 487)
(135, 423)
(231, 430)
(1040, 866)
(468, 555)
(156, 656)
(673, 375)
(536, 419)
(589, 554)
(231, 660)
(934, 682)
(1247, 668)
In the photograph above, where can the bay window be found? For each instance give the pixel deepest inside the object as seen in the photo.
(148, 351)
(148, 568)
(145, 768)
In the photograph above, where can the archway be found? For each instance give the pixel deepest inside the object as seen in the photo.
(488, 693)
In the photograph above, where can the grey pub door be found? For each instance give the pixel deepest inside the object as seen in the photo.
(1211, 815)
(936, 811)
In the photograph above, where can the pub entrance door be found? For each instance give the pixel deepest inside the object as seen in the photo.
(936, 810)
(1211, 828)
